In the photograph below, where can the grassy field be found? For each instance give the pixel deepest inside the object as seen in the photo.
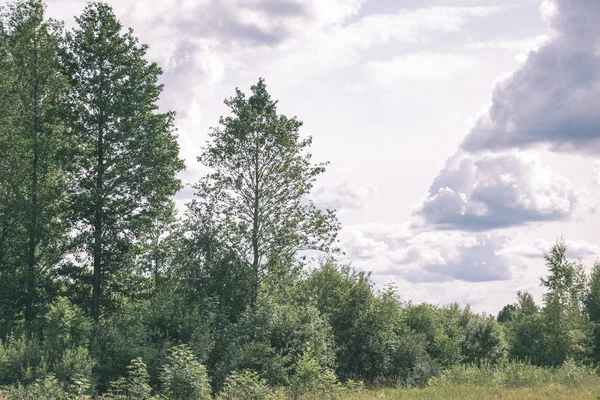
(589, 390)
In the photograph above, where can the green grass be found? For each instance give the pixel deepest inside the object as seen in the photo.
(589, 390)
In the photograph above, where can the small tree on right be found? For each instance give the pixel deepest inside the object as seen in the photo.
(567, 330)
(592, 307)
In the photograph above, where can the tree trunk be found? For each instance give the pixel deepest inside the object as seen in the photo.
(33, 221)
(98, 222)
(255, 248)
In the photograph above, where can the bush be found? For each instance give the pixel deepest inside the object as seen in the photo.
(310, 377)
(75, 370)
(269, 339)
(246, 385)
(136, 386)
(65, 326)
(45, 388)
(21, 360)
(183, 377)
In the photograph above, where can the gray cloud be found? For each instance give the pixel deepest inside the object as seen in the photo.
(496, 191)
(242, 22)
(552, 99)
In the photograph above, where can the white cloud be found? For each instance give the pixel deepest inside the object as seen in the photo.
(525, 44)
(576, 249)
(496, 191)
(342, 45)
(420, 66)
(342, 196)
(429, 256)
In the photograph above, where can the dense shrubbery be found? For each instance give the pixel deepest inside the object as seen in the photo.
(312, 336)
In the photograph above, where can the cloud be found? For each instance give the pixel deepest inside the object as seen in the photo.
(478, 193)
(420, 66)
(552, 99)
(596, 173)
(532, 43)
(344, 195)
(429, 256)
(332, 47)
(473, 260)
(576, 249)
(245, 22)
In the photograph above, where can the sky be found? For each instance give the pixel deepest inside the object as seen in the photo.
(463, 135)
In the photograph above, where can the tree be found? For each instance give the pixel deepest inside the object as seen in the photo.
(592, 307)
(35, 87)
(256, 194)
(567, 331)
(127, 157)
(10, 225)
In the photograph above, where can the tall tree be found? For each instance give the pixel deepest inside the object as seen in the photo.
(128, 155)
(36, 138)
(10, 226)
(257, 194)
(567, 331)
(592, 307)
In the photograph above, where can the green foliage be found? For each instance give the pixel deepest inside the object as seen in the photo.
(33, 137)
(312, 377)
(62, 351)
(568, 334)
(126, 159)
(246, 385)
(255, 200)
(183, 377)
(89, 232)
(592, 309)
(136, 386)
(147, 330)
(44, 388)
(75, 369)
(21, 360)
(270, 337)
(65, 326)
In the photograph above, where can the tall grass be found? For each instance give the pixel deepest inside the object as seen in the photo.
(515, 374)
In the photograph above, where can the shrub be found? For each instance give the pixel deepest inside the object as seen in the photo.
(245, 385)
(136, 386)
(310, 377)
(21, 360)
(75, 370)
(65, 327)
(45, 388)
(183, 377)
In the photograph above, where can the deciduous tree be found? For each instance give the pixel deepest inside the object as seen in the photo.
(256, 195)
(127, 157)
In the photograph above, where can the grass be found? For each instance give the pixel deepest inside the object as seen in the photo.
(512, 381)
(590, 390)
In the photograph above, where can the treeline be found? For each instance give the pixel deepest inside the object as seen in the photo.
(106, 291)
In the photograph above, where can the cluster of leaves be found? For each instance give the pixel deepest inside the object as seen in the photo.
(565, 327)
